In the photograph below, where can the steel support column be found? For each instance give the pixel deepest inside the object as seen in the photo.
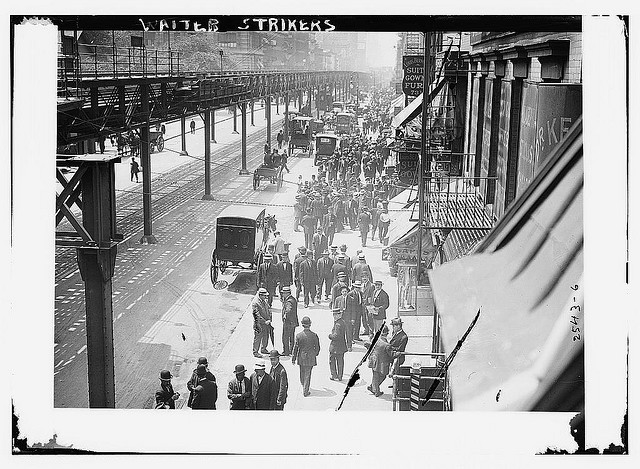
(286, 118)
(213, 125)
(183, 135)
(267, 112)
(243, 122)
(317, 108)
(235, 119)
(145, 157)
(253, 105)
(96, 263)
(207, 156)
(277, 105)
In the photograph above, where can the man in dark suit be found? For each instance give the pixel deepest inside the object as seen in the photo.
(289, 320)
(319, 243)
(261, 322)
(305, 351)
(353, 313)
(325, 277)
(379, 362)
(205, 394)
(193, 381)
(380, 302)
(296, 270)
(280, 381)
(308, 278)
(285, 273)
(367, 297)
(398, 343)
(263, 389)
(360, 268)
(339, 266)
(338, 345)
(165, 396)
(268, 276)
(239, 390)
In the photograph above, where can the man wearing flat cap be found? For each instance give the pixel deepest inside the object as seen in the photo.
(239, 390)
(205, 394)
(263, 389)
(193, 381)
(305, 352)
(166, 397)
(280, 381)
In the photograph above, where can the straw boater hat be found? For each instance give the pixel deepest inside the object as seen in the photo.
(263, 291)
(260, 365)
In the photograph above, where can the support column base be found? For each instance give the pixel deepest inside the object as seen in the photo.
(184, 153)
(148, 239)
(213, 140)
(235, 132)
(243, 172)
(207, 197)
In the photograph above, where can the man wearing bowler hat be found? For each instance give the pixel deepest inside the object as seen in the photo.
(166, 397)
(305, 351)
(279, 376)
(268, 276)
(239, 390)
(193, 381)
(263, 390)
(338, 345)
(205, 394)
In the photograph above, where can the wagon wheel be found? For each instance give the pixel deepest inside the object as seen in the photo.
(213, 268)
(160, 143)
(256, 181)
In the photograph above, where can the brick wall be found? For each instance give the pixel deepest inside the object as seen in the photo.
(573, 67)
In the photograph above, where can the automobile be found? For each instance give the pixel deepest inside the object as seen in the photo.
(326, 144)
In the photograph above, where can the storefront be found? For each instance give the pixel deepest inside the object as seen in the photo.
(526, 278)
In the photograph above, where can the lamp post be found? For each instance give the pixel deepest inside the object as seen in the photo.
(221, 54)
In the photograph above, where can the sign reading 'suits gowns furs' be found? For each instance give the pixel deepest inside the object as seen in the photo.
(413, 67)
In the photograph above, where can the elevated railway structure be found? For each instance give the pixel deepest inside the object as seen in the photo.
(105, 90)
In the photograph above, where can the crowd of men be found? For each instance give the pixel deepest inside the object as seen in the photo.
(350, 191)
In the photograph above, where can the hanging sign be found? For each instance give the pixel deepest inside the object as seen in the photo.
(413, 67)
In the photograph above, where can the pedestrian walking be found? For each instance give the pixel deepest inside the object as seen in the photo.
(308, 279)
(166, 397)
(289, 320)
(325, 276)
(280, 139)
(239, 390)
(379, 362)
(319, 244)
(268, 277)
(193, 381)
(361, 268)
(368, 289)
(305, 352)
(280, 381)
(261, 322)
(338, 345)
(135, 169)
(398, 342)
(205, 394)
(300, 257)
(364, 220)
(353, 313)
(192, 125)
(308, 223)
(380, 303)
(263, 389)
(383, 225)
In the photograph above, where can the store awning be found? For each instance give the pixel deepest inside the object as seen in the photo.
(397, 102)
(521, 278)
(415, 107)
(403, 236)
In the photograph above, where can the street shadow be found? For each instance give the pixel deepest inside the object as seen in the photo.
(245, 283)
(322, 393)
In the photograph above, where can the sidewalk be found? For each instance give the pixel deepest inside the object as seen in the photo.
(325, 394)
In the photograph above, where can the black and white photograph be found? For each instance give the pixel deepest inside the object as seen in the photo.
(341, 214)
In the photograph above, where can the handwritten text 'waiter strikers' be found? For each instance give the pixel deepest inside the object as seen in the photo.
(252, 24)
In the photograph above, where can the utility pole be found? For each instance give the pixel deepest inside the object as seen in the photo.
(221, 54)
(425, 163)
